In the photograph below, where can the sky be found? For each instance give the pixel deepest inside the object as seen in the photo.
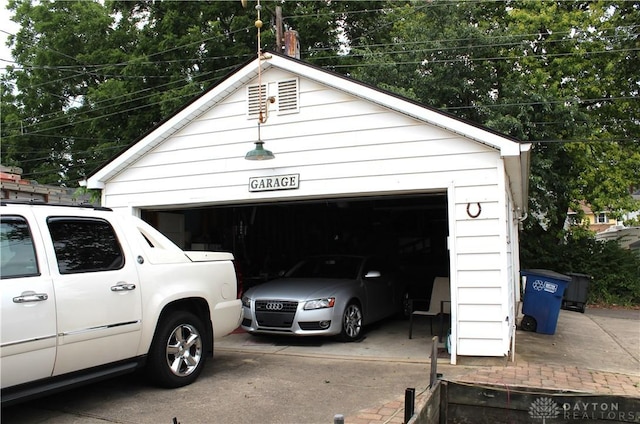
(6, 25)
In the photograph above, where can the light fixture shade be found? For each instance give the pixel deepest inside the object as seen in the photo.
(259, 153)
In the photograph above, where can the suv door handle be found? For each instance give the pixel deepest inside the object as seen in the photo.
(122, 286)
(30, 296)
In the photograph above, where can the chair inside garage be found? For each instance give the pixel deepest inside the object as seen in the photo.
(439, 304)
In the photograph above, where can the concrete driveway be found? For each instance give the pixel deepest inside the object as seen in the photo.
(623, 325)
(236, 388)
(600, 339)
(282, 380)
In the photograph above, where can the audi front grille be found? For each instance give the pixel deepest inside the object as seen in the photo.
(275, 313)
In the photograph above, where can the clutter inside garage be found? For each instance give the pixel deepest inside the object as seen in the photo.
(267, 239)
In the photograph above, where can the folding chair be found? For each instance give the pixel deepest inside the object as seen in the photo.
(439, 303)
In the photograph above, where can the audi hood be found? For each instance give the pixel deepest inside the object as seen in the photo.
(299, 288)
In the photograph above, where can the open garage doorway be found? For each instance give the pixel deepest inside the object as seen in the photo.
(268, 238)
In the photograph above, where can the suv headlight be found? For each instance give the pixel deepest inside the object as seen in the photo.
(327, 302)
(246, 302)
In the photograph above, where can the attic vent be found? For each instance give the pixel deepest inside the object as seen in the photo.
(288, 96)
(254, 102)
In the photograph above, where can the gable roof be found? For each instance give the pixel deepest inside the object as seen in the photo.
(514, 152)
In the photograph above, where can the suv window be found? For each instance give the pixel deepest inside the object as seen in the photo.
(17, 254)
(85, 245)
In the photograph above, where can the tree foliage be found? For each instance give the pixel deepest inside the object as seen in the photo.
(615, 271)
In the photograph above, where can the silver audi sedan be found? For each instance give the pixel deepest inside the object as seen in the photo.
(325, 295)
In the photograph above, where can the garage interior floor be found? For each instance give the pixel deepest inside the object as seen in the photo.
(388, 339)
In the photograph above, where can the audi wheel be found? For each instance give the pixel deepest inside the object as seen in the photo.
(177, 355)
(351, 323)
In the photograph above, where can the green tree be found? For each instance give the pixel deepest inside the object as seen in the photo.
(53, 47)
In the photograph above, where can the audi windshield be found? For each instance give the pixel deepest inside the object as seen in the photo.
(327, 267)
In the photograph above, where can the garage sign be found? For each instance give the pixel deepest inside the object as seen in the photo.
(276, 182)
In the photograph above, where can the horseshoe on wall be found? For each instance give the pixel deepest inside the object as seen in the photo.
(474, 215)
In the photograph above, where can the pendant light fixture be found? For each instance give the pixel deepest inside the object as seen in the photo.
(259, 152)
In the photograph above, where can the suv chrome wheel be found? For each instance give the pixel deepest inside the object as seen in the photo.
(176, 357)
(184, 350)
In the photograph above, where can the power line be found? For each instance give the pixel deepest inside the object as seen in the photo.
(204, 40)
(420, 62)
(440, 48)
(190, 95)
(181, 83)
(559, 101)
(153, 92)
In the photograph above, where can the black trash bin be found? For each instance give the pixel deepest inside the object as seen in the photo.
(577, 292)
(542, 300)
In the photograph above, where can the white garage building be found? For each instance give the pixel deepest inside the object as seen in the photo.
(334, 138)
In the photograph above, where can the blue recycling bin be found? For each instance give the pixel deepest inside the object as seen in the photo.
(543, 294)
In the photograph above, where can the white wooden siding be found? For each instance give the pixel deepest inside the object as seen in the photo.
(485, 313)
(478, 331)
(340, 145)
(479, 265)
(480, 347)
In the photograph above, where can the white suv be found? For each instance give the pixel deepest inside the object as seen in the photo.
(88, 293)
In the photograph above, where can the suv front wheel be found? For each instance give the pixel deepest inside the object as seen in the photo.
(177, 355)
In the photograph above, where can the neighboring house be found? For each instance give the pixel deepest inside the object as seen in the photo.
(634, 215)
(14, 187)
(597, 221)
(354, 166)
(627, 237)
(607, 228)
(635, 247)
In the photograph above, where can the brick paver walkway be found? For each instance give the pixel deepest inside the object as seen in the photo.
(528, 375)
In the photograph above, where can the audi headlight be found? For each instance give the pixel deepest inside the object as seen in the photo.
(246, 302)
(327, 302)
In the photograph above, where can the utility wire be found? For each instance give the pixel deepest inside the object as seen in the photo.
(334, 66)
(377, 51)
(420, 62)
